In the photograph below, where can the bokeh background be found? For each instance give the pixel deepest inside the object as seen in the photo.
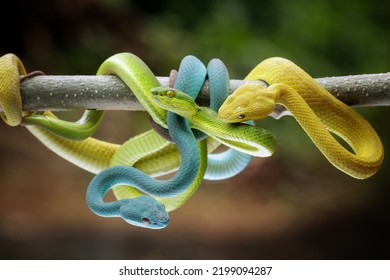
(294, 205)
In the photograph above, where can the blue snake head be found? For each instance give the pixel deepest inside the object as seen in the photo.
(144, 211)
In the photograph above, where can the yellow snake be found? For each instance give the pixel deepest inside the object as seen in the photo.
(316, 110)
(10, 100)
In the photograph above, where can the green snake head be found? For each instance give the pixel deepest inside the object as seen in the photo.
(144, 211)
(174, 100)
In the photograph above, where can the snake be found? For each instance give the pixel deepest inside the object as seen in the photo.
(318, 112)
(124, 175)
(161, 214)
(90, 154)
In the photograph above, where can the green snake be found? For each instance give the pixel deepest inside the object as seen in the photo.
(92, 154)
(316, 110)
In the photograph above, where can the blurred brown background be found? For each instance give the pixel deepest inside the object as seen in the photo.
(294, 205)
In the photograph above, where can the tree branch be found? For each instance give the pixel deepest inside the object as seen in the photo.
(56, 93)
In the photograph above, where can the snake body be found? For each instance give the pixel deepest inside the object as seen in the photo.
(165, 188)
(231, 162)
(78, 130)
(124, 175)
(149, 153)
(289, 86)
(10, 100)
(90, 154)
(94, 155)
(221, 165)
(83, 148)
(316, 110)
(139, 150)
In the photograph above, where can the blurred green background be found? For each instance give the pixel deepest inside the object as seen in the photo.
(294, 205)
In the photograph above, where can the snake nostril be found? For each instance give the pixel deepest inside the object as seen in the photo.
(145, 220)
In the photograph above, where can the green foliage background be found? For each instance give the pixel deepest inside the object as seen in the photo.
(293, 205)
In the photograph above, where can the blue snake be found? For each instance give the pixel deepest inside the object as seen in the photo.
(155, 215)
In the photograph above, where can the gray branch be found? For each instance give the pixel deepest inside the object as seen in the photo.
(56, 93)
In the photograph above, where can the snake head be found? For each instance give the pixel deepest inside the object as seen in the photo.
(174, 100)
(248, 102)
(144, 211)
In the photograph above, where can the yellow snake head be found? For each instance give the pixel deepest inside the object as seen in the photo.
(248, 102)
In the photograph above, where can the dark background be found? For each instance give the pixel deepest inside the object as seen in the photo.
(294, 205)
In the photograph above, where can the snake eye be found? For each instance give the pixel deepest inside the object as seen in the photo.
(170, 93)
(145, 220)
(241, 116)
